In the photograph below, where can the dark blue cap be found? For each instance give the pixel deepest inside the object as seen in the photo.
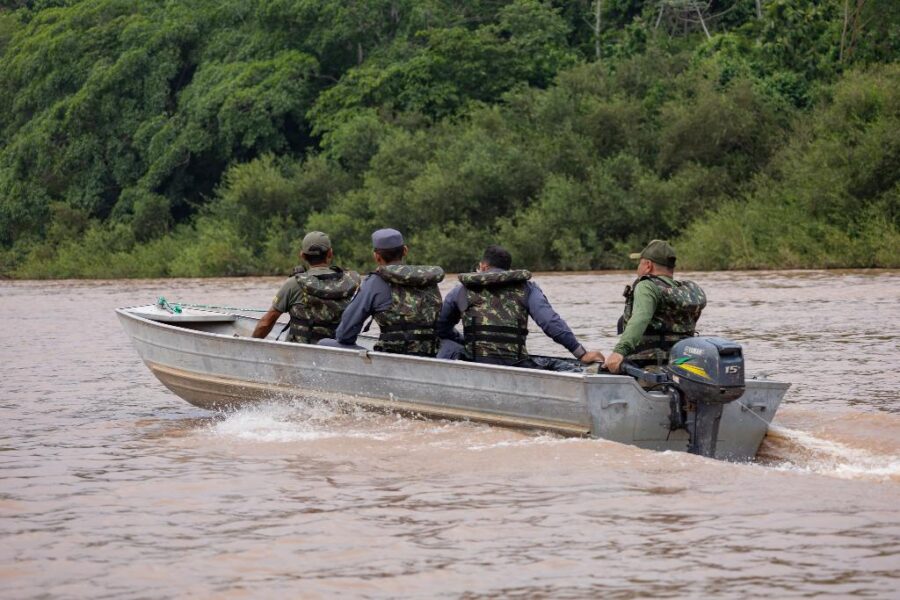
(387, 238)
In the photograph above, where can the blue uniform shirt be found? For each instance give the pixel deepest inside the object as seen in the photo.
(539, 309)
(374, 296)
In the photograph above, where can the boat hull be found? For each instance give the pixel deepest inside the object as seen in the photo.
(216, 365)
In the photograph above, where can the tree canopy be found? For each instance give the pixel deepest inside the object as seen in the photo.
(204, 137)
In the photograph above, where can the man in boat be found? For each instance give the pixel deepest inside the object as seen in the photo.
(403, 299)
(659, 310)
(494, 304)
(315, 297)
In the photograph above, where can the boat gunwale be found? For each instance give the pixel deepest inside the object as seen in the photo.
(587, 378)
(456, 364)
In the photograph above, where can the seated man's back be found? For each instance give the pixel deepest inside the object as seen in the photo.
(494, 305)
(403, 299)
(315, 298)
(408, 326)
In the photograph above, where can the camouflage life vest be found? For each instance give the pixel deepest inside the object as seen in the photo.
(408, 326)
(495, 324)
(324, 295)
(675, 318)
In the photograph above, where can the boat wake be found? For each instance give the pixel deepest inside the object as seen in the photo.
(794, 450)
(296, 421)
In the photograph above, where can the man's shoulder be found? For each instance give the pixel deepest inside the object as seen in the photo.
(371, 279)
(290, 283)
(537, 303)
(687, 282)
(456, 289)
(646, 287)
(457, 295)
(532, 288)
(286, 295)
(374, 284)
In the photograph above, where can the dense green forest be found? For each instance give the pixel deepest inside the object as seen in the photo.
(145, 138)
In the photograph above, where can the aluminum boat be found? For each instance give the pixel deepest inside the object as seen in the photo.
(209, 359)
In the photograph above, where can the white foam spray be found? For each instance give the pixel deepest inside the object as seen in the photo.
(297, 420)
(807, 452)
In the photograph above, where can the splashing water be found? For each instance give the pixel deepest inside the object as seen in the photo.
(791, 449)
(295, 421)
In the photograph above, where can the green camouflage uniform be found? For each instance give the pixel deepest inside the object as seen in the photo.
(676, 310)
(408, 326)
(495, 323)
(323, 295)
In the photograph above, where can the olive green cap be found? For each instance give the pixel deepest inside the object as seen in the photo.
(315, 242)
(659, 251)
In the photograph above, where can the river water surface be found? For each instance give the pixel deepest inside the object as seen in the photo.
(112, 487)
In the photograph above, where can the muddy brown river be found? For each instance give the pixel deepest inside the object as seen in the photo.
(112, 487)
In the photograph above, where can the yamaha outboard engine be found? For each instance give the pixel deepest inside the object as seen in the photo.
(708, 373)
(703, 375)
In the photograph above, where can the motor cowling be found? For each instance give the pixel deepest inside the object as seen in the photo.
(706, 373)
(708, 369)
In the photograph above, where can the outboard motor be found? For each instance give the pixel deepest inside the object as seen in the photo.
(708, 372)
(703, 375)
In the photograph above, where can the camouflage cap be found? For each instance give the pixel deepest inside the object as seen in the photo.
(658, 251)
(383, 239)
(315, 242)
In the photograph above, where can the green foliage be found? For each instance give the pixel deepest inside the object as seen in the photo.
(353, 142)
(832, 198)
(216, 249)
(253, 194)
(769, 234)
(441, 70)
(107, 95)
(152, 216)
(621, 204)
(66, 223)
(802, 36)
(731, 126)
(205, 137)
(456, 247)
(257, 194)
(102, 251)
(9, 25)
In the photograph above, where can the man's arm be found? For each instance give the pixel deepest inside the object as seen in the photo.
(451, 313)
(551, 323)
(280, 304)
(374, 296)
(645, 301)
(266, 323)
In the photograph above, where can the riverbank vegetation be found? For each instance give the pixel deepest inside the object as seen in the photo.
(204, 137)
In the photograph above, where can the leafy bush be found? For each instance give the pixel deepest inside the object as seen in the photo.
(831, 199)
